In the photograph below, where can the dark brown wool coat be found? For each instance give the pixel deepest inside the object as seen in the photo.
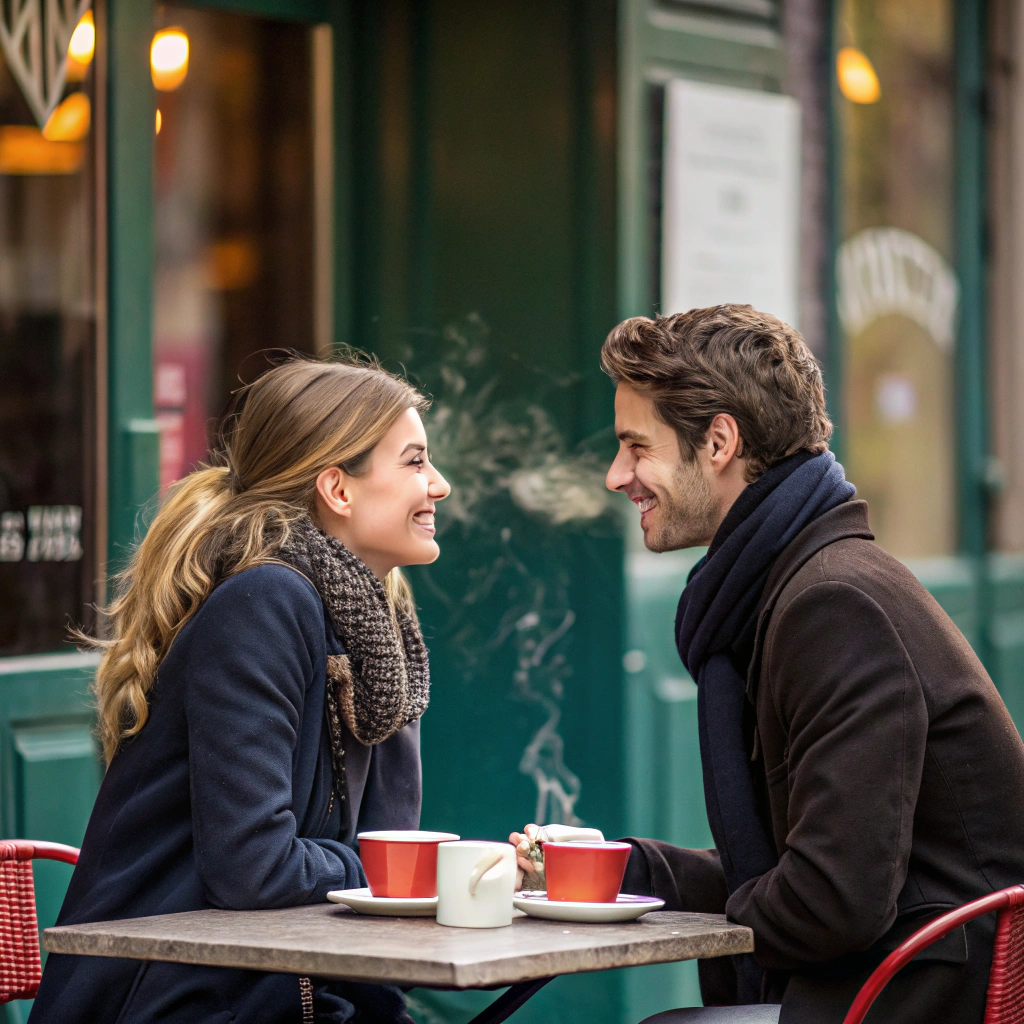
(892, 781)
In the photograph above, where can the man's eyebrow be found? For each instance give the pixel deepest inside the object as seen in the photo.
(632, 435)
(414, 446)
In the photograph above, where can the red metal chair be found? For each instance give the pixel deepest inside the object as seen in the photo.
(1005, 1003)
(20, 966)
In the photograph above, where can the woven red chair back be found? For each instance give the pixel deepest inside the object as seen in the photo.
(20, 966)
(1006, 981)
(1005, 1003)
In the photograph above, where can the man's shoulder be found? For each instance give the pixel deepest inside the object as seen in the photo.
(858, 563)
(854, 577)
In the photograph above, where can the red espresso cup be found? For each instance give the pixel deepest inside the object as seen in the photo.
(585, 872)
(400, 864)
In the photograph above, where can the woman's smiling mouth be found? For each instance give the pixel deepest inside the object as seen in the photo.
(424, 519)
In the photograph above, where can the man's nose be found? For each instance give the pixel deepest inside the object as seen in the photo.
(620, 473)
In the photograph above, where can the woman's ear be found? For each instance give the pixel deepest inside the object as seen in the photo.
(332, 491)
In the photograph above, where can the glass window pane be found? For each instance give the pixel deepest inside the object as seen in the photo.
(48, 514)
(897, 290)
(234, 208)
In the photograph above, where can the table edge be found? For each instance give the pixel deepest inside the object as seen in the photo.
(416, 973)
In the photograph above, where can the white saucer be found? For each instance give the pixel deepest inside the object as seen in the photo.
(625, 908)
(363, 902)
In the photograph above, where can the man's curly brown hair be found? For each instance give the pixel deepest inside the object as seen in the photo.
(725, 359)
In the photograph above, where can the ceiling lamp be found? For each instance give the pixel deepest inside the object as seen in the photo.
(82, 47)
(168, 59)
(83, 39)
(70, 122)
(857, 79)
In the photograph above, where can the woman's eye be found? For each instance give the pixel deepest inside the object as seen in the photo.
(418, 461)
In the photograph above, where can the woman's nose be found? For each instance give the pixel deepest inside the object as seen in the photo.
(439, 488)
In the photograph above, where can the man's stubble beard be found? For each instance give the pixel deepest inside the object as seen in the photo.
(688, 516)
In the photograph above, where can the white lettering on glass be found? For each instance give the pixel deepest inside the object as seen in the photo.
(54, 533)
(12, 536)
(887, 270)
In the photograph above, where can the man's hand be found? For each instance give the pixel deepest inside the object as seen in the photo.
(521, 841)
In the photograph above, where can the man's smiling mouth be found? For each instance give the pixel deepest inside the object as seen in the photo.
(644, 503)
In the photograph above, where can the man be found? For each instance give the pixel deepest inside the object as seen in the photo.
(860, 771)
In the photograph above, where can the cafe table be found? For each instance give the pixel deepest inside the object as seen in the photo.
(331, 941)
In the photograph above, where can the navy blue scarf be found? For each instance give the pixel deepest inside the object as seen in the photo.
(715, 628)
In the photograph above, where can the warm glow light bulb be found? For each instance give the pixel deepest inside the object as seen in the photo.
(857, 79)
(70, 122)
(168, 58)
(83, 40)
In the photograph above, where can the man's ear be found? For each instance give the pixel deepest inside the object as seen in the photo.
(724, 443)
(331, 486)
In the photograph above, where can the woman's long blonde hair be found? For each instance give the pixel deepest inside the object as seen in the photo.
(295, 421)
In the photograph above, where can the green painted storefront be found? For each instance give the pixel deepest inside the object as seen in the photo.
(491, 219)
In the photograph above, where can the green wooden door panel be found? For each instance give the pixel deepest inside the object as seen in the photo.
(50, 769)
(57, 774)
(476, 203)
(666, 797)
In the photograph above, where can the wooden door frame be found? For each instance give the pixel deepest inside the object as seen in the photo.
(133, 434)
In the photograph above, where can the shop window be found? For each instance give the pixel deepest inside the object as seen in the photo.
(238, 208)
(897, 291)
(49, 518)
(1005, 310)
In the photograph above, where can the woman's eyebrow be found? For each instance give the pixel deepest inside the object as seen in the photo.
(414, 446)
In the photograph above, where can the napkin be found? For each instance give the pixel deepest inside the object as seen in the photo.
(555, 834)
(569, 834)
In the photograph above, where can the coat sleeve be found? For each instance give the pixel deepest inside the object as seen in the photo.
(689, 880)
(849, 698)
(254, 652)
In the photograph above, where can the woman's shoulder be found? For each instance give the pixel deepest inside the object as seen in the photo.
(271, 599)
(268, 618)
(273, 580)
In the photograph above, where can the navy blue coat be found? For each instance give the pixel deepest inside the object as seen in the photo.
(224, 800)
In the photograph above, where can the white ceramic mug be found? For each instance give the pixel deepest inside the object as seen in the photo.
(475, 884)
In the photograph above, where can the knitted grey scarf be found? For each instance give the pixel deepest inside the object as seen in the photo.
(382, 682)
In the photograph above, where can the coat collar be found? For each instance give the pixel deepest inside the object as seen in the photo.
(845, 521)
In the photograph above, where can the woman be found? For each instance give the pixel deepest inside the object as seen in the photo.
(259, 698)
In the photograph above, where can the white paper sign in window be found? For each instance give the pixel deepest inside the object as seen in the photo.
(730, 216)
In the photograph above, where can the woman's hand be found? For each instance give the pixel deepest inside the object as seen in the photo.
(521, 841)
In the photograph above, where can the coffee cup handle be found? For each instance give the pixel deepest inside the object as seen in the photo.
(483, 865)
